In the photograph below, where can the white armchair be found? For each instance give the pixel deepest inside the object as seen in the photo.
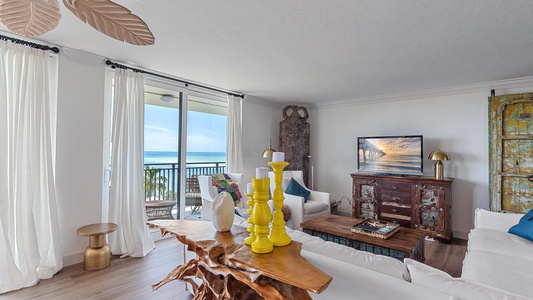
(209, 192)
(317, 204)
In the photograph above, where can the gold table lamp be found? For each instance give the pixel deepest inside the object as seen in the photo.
(439, 156)
(268, 152)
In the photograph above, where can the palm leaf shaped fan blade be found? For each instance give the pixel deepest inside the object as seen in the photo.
(30, 18)
(33, 18)
(112, 20)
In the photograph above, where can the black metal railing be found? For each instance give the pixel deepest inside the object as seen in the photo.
(161, 179)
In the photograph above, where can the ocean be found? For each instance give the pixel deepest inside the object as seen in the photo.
(411, 164)
(163, 157)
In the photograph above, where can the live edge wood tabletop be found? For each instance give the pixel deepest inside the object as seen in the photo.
(280, 274)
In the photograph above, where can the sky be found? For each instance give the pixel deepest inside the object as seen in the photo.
(398, 146)
(206, 132)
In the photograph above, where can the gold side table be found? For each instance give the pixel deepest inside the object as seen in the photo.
(97, 255)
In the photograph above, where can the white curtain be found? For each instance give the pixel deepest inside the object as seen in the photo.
(234, 160)
(29, 228)
(126, 199)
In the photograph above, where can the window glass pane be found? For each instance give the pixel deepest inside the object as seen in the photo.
(206, 146)
(206, 135)
(161, 148)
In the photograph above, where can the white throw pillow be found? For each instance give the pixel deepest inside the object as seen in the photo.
(495, 220)
(223, 211)
(430, 277)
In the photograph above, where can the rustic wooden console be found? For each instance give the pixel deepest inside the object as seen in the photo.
(419, 202)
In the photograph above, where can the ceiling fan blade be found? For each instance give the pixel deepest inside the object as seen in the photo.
(113, 20)
(30, 17)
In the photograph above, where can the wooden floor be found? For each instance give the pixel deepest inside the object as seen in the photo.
(446, 257)
(131, 278)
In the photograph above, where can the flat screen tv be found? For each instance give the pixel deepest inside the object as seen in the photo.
(390, 154)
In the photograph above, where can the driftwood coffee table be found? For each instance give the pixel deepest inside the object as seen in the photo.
(405, 243)
(229, 269)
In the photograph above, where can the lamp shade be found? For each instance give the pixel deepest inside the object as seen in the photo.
(268, 152)
(439, 155)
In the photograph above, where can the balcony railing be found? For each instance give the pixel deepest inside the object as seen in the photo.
(161, 180)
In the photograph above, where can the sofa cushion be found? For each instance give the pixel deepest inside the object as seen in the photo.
(500, 242)
(313, 207)
(500, 271)
(430, 277)
(495, 220)
(297, 189)
(378, 263)
(524, 228)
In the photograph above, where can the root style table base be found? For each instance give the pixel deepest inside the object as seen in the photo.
(230, 270)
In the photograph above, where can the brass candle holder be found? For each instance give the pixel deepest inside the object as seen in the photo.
(278, 236)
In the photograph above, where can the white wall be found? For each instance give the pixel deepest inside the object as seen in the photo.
(260, 124)
(457, 124)
(79, 171)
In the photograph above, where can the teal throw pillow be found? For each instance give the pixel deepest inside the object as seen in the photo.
(524, 228)
(297, 189)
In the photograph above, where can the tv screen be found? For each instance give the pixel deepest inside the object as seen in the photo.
(390, 154)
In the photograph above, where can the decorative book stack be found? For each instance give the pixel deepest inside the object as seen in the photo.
(376, 228)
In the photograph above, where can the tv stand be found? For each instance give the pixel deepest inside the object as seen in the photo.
(418, 202)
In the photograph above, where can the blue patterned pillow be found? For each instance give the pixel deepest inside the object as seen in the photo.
(297, 189)
(524, 228)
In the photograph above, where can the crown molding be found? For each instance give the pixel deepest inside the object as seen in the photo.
(463, 89)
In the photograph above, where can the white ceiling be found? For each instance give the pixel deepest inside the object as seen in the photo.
(312, 51)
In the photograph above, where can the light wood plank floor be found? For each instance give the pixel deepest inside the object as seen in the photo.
(131, 278)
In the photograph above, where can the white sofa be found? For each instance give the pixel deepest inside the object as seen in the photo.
(498, 265)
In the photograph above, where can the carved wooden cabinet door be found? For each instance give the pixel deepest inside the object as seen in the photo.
(511, 152)
(365, 199)
(432, 206)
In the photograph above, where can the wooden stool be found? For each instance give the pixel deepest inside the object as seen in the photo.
(97, 255)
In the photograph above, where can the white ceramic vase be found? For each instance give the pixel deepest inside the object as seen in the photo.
(223, 211)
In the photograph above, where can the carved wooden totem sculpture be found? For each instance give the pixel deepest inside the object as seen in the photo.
(294, 132)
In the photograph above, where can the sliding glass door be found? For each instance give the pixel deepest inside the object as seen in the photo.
(180, 125)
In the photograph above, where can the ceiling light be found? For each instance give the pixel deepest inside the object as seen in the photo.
(167, 98)
(33, 18)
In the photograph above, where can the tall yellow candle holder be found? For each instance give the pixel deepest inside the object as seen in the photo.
(278, 236)
(251, 238)
(261, 216)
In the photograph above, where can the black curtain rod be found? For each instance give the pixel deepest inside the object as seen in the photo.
(187, 83)
(26, 43)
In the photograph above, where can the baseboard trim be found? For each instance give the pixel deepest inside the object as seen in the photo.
(73, 258)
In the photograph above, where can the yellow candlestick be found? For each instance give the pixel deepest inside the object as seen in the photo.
(278, 236)
(251, 238)
(261, 216)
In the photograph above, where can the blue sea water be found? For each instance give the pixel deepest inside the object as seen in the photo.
(401, 164)
(163, 157)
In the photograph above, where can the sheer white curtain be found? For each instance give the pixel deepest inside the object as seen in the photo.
(29, 228)
(126, 199)
(234, 160)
